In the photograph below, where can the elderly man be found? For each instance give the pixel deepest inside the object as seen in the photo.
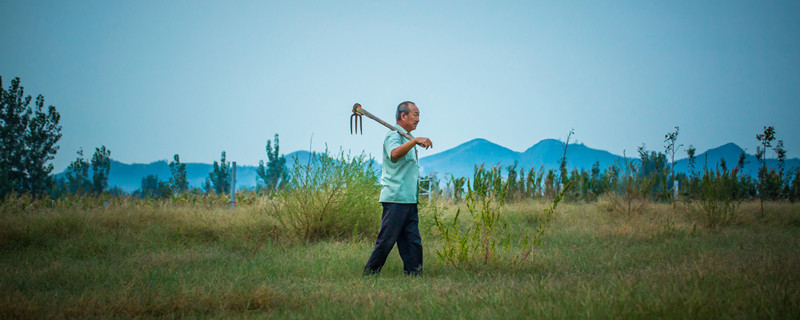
(400, 195)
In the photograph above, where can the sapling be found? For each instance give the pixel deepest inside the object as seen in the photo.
(670, 148)
(765, 139)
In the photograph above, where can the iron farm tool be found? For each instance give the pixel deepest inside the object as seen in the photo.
(358, 111)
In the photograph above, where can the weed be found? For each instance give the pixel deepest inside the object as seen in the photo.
(529, 244)
(484, 201)
(479, 241)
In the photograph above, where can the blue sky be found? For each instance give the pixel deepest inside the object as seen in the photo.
(149, 79)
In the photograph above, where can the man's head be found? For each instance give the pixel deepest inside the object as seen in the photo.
(407, 115)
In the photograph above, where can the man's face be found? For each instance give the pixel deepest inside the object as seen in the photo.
(410, 120)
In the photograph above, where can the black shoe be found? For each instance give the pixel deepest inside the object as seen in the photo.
(369, 272)
(415, 273)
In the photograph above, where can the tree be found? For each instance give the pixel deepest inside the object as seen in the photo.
(178, 181)
(742, 161)
(512, 187)
(149, 186)
(653, 173)
(549, 184)
(780, 153)
(78, 172)
(596, 188)
(563, 167)
(690, 153)
(533, 185)
(219, 180)
(153, 187)
(794, 189)
(670, 139)
(274, 174)
(458, 187)
(28, 137)
(765, 139)
(101, 167)
(78, 175)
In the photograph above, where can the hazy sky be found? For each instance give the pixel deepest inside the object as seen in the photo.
(151, 79)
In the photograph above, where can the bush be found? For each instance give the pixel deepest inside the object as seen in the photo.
(716, 204)
(630, 195)
(329, 198)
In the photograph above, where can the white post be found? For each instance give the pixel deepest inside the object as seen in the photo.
(424, 191)
(233, 185)
(675, 189)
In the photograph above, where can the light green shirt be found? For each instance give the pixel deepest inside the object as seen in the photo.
(399, 177)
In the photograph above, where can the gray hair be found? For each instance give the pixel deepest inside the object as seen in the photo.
(403, 108)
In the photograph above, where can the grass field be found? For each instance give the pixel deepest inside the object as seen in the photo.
(156, 260)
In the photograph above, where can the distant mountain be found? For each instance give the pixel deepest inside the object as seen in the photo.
(730, 152)
(460, 160)
(548, 152)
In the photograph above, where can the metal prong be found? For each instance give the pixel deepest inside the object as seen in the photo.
(361, 124)
(351, 123)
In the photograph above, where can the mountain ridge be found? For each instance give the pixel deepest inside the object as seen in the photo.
(458, 161)
(547, 153)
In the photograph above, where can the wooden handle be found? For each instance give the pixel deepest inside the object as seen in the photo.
(360, 110)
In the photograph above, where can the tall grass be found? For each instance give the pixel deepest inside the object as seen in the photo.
(329, 198)
(716, 204)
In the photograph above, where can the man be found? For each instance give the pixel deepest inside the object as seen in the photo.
(400, 195)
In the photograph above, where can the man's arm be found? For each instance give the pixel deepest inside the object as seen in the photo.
(404, 148)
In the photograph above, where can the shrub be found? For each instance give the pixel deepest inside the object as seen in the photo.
(485, 199)
(329, 198)
(794, 186)
(631, 189)
(716, 204)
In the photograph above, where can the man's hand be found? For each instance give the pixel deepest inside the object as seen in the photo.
(403, 149)
(424, 142)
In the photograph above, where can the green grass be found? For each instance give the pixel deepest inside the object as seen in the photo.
(143, 261)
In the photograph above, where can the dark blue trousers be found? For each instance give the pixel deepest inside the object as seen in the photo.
(399, 224)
